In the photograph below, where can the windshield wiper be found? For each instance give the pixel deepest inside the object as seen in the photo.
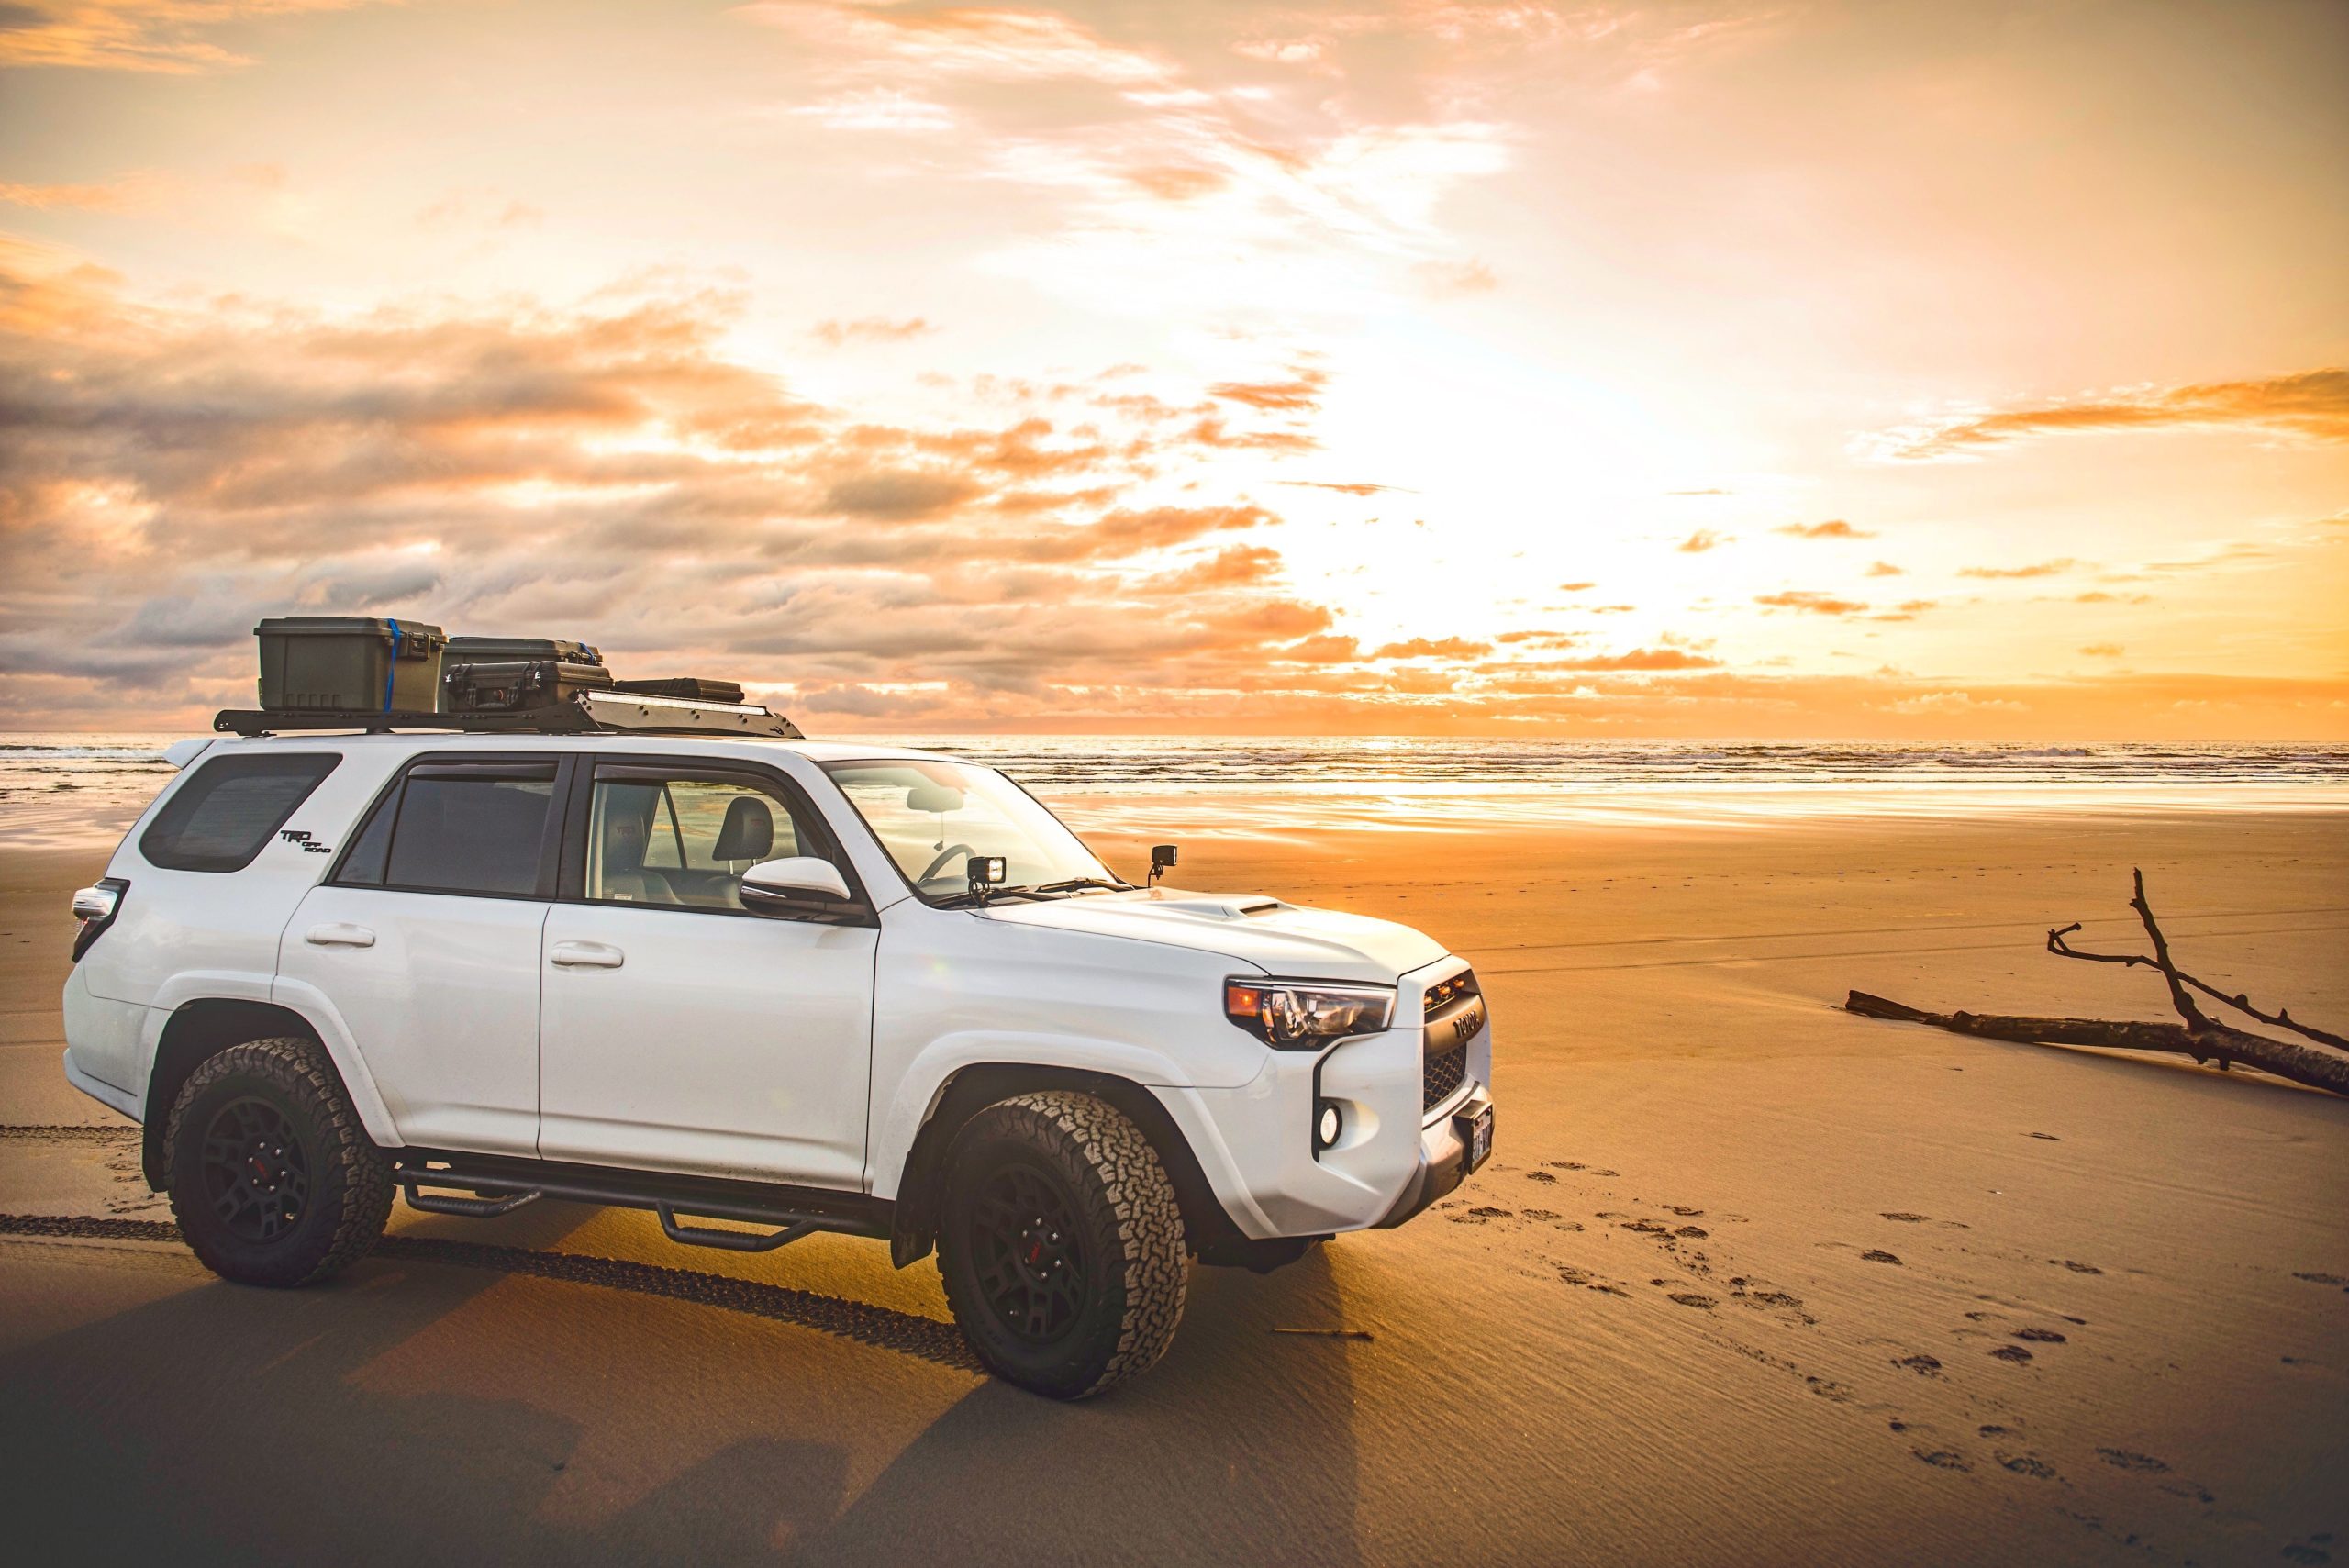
(1083, 885)
(958, 900)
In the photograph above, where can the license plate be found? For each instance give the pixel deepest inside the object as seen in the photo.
(1480, 1137)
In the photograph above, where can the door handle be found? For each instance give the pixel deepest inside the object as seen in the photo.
(586, 955)
(339, 934)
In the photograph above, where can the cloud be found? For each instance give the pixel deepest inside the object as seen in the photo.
(1699, 492)
(2004, 574)
(1834, 527)
(1811, 603)
(1701, 541)
(156, 36)
(884, 109)
(1947, 703)
(2104, 650)
(1885, 569)
(871, 329)
(1576, 587)
(1433, 647)
(2312, 403)
(1355, 488)
(124, 195)
(1301, 392)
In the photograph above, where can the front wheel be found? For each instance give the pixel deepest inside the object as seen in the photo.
(273, 1180)
(1062, 1244)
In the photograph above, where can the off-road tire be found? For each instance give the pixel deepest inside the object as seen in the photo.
(1127, 1234)
(348, 1180)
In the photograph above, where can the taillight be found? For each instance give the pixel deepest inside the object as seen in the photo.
(95, 907)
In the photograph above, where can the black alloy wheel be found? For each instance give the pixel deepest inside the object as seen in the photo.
(256, 1172)
(272, 1178)
(1027, 1253)
(1060, 1244)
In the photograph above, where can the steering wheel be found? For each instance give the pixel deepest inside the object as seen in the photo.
(947, 855)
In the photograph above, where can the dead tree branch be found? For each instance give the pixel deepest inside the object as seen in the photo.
(2179, 981)
(2317, 1069)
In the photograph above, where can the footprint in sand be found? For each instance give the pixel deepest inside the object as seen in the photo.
(2014, 1353)
(2048, 1136)
(2077, 1268)
(2127, 1459)
(1693, 1213)
(1692, 1234)
(2322, 1279)
(2026, 1464)
(1877, 1255)
(1906, 1218)
(2310, 1552)
(1542, 1176)
(1690, 1299)
(2040, 1335)
(1941, 1458)
(1921, 1364)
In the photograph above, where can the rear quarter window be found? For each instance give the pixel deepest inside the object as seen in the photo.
(219, 818)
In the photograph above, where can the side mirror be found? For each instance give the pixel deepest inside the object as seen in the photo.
(799, 884)
(1161, 859)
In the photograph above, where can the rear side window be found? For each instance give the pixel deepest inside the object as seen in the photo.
(480, 831)
(229, 807)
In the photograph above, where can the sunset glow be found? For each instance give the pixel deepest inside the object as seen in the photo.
(1881, 371)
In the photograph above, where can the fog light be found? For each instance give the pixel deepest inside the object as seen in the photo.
(1327, 1126)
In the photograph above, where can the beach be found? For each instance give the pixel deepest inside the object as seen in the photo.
(1748, 1280)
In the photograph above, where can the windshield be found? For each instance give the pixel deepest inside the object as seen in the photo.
(932, 817)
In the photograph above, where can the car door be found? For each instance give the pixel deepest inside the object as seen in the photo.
(426, 941)
(680, 1033)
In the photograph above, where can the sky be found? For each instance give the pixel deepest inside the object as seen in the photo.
(1710, 370)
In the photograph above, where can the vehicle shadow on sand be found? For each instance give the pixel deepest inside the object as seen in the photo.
(221, 1423)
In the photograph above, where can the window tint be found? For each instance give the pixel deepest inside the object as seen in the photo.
(221, 816)
(683, 842)
(458, 834)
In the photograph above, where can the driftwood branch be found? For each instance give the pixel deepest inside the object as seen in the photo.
(2180, 982)
(2317, 1069)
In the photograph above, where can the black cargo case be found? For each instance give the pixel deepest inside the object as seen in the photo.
(692, 687)
(518, 650)
(512, 687)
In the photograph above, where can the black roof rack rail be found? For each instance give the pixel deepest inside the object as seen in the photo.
(589, 713)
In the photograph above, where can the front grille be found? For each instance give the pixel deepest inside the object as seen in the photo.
(1444, 993)
(1442, 1075)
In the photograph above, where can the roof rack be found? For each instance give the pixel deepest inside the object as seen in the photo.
(588, 713)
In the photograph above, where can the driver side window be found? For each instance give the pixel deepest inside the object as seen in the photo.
(685, 841)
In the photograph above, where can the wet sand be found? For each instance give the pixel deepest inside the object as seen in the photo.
(1749, 1280)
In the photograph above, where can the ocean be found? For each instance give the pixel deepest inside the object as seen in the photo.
(76, 789)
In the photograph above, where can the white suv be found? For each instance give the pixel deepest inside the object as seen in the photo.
(792, 985)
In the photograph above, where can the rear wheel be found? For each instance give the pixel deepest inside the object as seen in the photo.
(1062, 1244)
(273, 1180)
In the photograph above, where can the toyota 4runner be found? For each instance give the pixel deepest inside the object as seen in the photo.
(761, 989)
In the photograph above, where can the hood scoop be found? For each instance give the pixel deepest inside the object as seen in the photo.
(1226, 906)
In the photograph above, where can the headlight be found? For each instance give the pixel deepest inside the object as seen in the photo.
(1302, 1014)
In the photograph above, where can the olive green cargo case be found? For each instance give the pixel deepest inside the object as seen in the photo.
(349, 664)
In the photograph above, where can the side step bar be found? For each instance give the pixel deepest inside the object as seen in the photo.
(500, 1185)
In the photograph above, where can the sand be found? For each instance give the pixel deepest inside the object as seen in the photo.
(1749, 1280)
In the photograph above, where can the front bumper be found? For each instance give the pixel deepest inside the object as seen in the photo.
(1444, 1161)
(1255, 1142)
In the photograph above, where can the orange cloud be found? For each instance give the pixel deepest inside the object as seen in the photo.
(1701, 541)
(1834, 527)
(2041, 569)
(871, 329)
(1433, 647)
(1812, 603)
(2313, 403)
(1301, 392)
(156, 36)
(1885, 569)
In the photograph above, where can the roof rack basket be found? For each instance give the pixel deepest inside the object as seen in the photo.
(588, 713)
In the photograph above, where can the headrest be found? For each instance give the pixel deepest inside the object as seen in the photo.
(749, 832)
(623, 845)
